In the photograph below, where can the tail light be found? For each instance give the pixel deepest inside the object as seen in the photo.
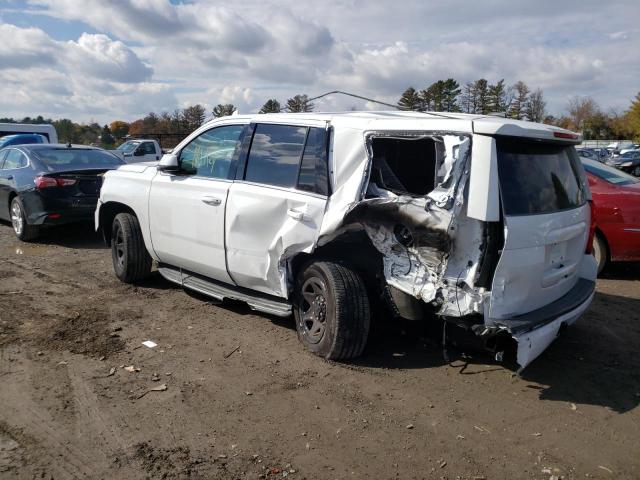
(49, 182)
(592, 228)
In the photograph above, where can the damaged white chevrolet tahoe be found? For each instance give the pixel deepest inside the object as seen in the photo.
(480, 221)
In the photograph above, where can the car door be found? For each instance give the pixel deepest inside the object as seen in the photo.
(277, 203)
(149, 153)
(186, 209)
(4, 199)
(13, 160)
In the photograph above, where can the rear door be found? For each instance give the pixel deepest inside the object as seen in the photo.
(546, 220)
(276, 205)
(187, 209)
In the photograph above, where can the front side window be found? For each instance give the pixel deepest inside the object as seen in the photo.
(275, 155)
(209, 154)
(15, 159)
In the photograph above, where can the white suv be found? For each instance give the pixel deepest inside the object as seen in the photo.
(481, 221)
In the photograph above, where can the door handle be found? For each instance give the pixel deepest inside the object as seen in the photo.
(8, 177)
(212, 201)
(295, 214)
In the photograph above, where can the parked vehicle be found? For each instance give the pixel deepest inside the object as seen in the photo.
(137, 151)
(43, 185)
(616, 201)
(481, 221)
(46, 130)
(627, 162)
(22, 139)
(588, 153)
(630, 148)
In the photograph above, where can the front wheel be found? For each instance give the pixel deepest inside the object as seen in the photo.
(21, 228)
(131, 261)
(332, 310)
(636, 171)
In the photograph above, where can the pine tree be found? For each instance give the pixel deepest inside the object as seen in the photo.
(410, 100)
(451, 92)
(105, 137)
(498, 97)
(223, 110)
(193, 117)
(482, 96)
(299, 103)
(271, 106)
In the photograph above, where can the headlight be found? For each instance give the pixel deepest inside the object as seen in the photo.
(626, 164)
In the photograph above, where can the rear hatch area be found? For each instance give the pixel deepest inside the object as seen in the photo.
(544, 275)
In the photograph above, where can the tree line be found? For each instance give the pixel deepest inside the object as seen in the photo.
(517, 101)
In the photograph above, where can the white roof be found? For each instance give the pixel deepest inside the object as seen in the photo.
(404, 120)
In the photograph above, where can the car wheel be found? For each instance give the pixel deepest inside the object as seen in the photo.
(600, 252)
(332, 310)
(22, 229)
(636, 171)
(131, 260)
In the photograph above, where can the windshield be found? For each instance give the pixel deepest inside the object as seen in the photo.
(56, 159)
(128, 146)
(609, 174)
(537, 178)
(20, 139)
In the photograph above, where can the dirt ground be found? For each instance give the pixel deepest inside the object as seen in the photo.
(236, 396)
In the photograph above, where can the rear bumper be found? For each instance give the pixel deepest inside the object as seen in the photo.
(532, 343)
(43, 210)
(534, 331)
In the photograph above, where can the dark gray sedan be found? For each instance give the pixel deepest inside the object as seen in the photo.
(50, 184)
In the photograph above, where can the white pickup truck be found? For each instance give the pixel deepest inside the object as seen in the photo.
(482, 222)
(139, 150)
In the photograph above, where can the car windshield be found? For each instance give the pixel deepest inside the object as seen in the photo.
(128, 146)
(609, 174)
(20, 139)
(56, 159)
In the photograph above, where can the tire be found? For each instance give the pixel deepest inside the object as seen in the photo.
(21, 228)
(331, 310)
(600, 252)
(636, 171)
(131, 260)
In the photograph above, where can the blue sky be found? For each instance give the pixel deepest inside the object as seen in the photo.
(98, 60)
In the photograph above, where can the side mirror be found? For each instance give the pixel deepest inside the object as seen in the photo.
(169, 163)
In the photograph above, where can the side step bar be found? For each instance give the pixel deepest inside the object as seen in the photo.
(219, 291)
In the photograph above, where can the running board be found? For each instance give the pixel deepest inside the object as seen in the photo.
(219, 291)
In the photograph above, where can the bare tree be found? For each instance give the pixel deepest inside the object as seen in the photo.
(520, 99)
(581, 109)
(535, 107)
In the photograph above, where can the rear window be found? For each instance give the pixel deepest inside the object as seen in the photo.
(55, 159)
(537, 178)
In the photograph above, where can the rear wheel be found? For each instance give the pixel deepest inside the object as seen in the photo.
(22, 229)
(131, 261)
(332, 311)
(600, 252)
(636, 171)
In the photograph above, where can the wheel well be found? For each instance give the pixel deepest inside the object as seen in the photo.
(353, 249)
(606, 243)
(108, 212)
(12, 195)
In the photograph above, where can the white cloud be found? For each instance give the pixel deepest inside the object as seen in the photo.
(155, 55)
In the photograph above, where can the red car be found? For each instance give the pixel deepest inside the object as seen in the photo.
(616, 201)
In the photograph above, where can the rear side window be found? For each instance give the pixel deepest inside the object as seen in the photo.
(15, 159)
(275, 154)
(148, 148)
(313, 167)
(537, 178)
